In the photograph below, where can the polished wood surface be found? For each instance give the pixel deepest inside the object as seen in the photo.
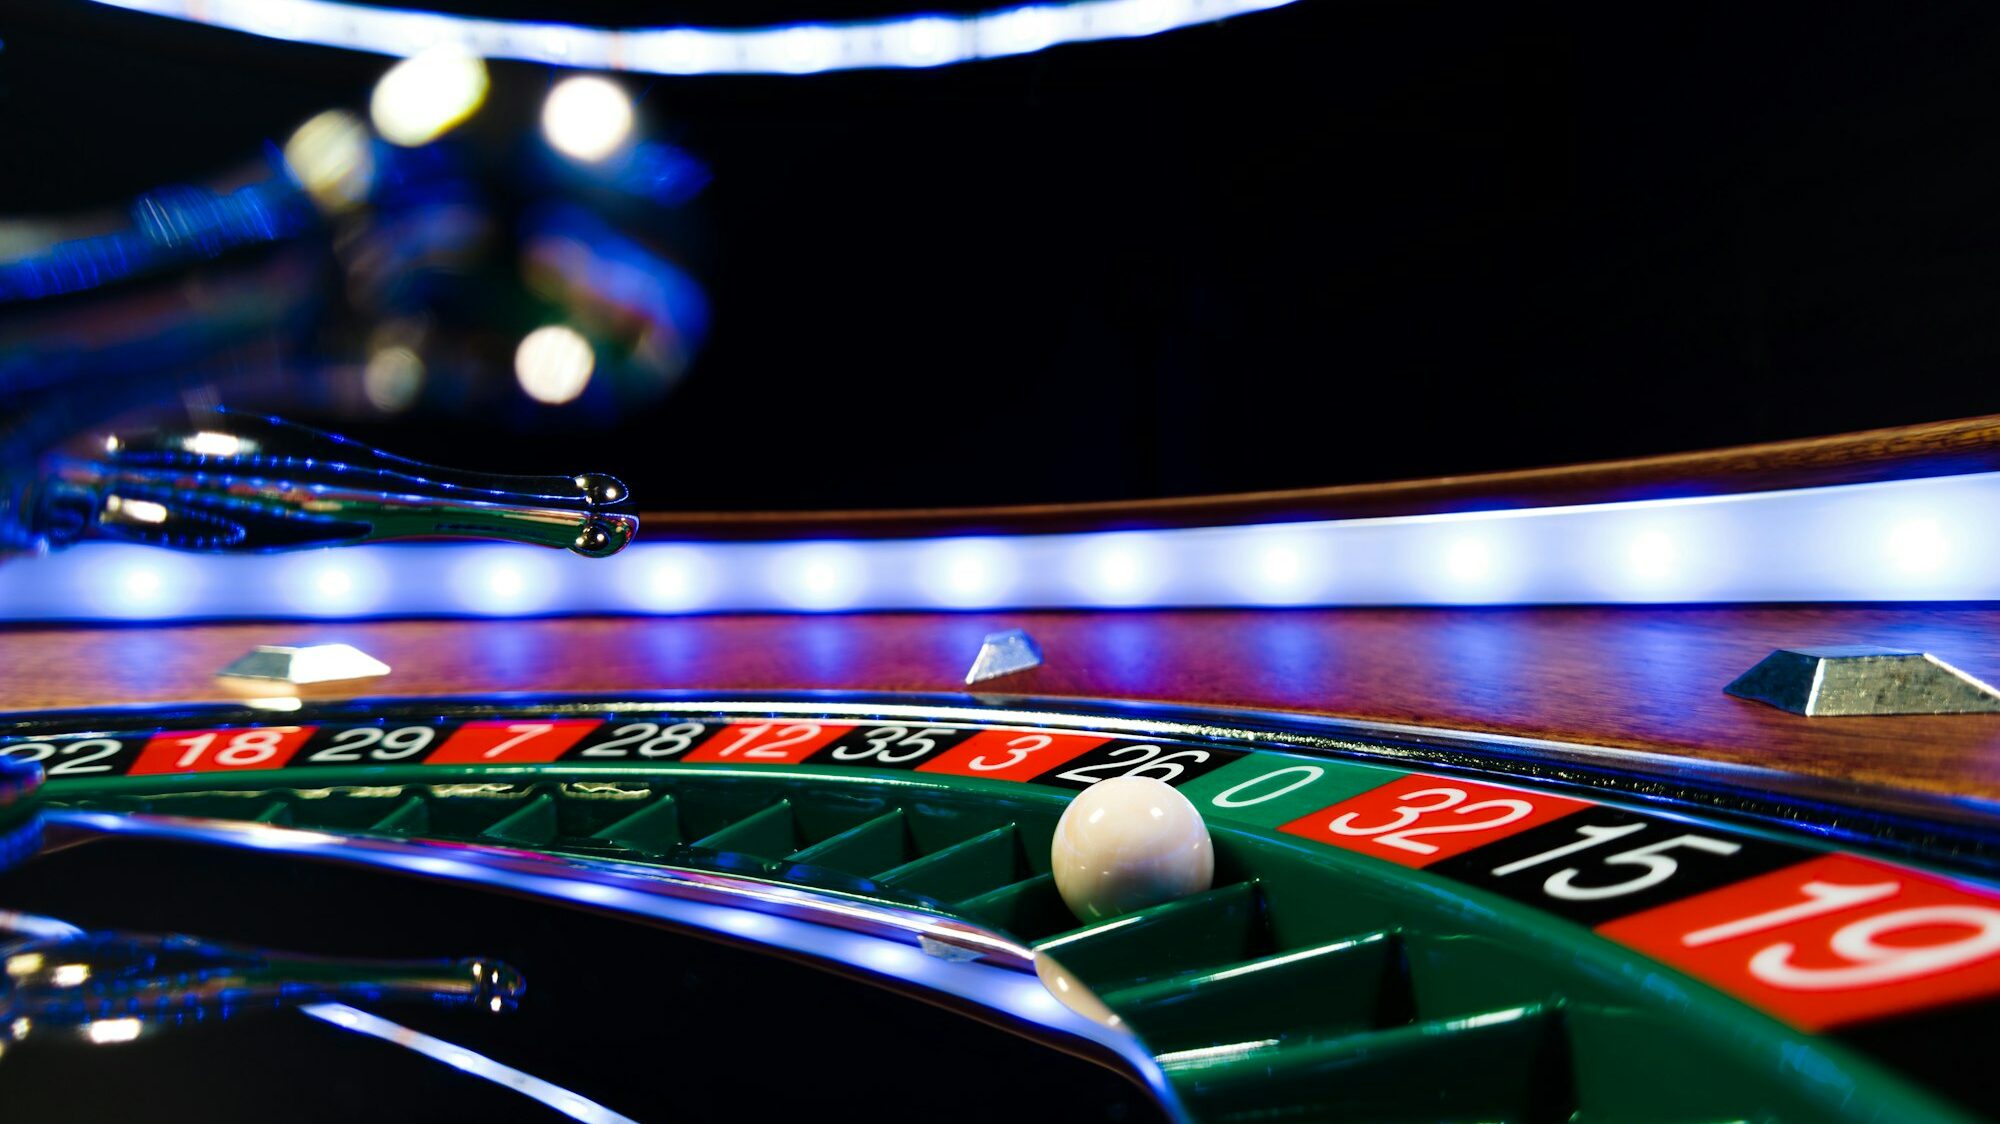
(1933, 449)
(1645, 679)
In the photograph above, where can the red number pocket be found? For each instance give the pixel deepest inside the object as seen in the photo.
(502, 742)
(767, 743)
(220, 751)
(1421, 819)
(1011, 755)
(1834, 940)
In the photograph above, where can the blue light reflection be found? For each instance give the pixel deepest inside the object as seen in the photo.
(1913, 540)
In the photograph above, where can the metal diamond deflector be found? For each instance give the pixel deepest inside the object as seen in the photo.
(1004, 653)
(320, 663)
(1858, 680)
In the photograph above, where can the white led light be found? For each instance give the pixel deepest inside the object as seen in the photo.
(1119, 569)
(924, 42)
(678, 51)
(106, 1031)
(1918, 546)
(587, 117)
(672, 579)
(1651, 555)
(1020, 31)
(506, 580)
(210, 444)
(1469, 560)
(820, 576)
(331, 582)
(796, 50)
(966, 573)
(134, 511)
(428, 94)
(143, 583)
(1280, 566)
(554, 364)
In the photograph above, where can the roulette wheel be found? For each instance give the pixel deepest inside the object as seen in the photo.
(334, 782)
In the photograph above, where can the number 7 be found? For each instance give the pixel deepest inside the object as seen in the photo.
(524, 731)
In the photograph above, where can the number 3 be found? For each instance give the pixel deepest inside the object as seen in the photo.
(1018, 750)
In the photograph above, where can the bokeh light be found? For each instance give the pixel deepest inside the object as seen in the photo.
(423, 97)
(392, 379)
(332, 158)
(587, 117)
(554, 364)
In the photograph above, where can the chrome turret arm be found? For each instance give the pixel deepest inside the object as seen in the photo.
(112, 987)
(243, 482)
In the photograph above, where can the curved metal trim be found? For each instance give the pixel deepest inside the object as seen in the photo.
(937, 958)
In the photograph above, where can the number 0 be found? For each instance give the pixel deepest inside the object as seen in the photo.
(1228, 798)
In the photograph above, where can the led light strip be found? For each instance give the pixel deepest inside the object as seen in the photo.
(805, 48)
(1914, 540)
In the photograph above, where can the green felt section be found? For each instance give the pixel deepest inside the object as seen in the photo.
(650, 830)
(873, 845)
(1510, 1065)
(277, 813)
(406, 817)
(1027, 909)
(1218, 927)
(532, 825)
(1302, 995)
(1266, 790)
(979, 865)
(771, 832)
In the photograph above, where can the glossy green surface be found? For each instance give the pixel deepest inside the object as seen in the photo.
(1309, 984)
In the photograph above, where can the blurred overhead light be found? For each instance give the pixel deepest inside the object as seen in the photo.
(392, 379)
(331, 158)
(421, 98)
(554, 364)
(587, 117)
(903, 41)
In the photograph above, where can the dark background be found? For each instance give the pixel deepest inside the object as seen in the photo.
(1348, 240)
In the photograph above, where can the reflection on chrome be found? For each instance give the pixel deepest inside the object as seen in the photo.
(107, 988)
(35, 925)
(902, 948)
(574, 1105)
(247, 483)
